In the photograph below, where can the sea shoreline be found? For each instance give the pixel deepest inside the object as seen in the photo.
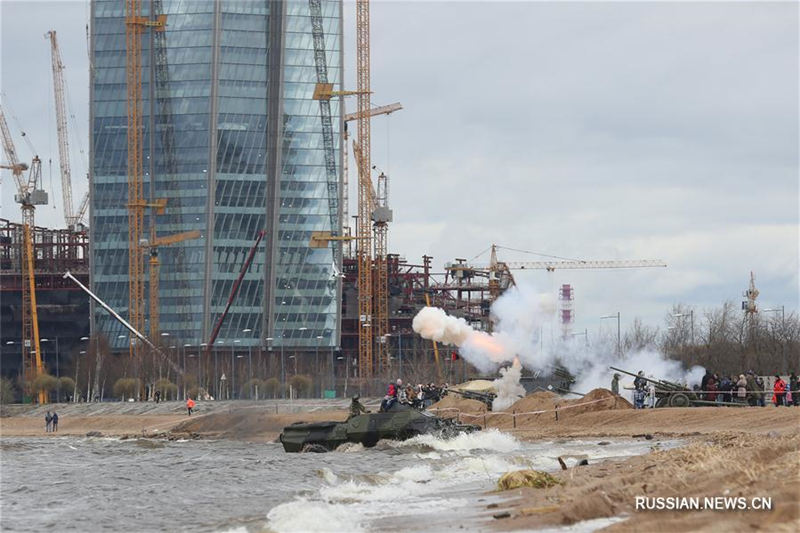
(737, 452)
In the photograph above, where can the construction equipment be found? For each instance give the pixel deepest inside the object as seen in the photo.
(363, 231)
(154, 267)
(72, 218)
(500, 277)
(138, 334)
(234, 292)
(29, 195)
(381, 216)
(749, 305)
(332, 177)
(375, 111)
(135, 24)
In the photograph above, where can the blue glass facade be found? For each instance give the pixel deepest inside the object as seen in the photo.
(233, 141)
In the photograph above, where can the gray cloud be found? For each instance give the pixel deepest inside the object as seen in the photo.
(593, 130)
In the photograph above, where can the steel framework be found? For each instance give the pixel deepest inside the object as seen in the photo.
(364, 231)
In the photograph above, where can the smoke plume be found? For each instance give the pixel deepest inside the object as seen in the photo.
(507, 386)
(523, 322)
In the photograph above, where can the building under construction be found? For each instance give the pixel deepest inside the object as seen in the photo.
(62, 308)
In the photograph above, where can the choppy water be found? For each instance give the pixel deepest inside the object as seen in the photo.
(102, 484)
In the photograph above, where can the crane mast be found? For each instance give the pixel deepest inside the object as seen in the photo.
(332, 177)
(61, 128)
(28, 196)
(364, 232)
(135, 25)
(133, 63)
(381, 216)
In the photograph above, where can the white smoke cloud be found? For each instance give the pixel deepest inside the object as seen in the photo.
(521, 316)
(508, 387)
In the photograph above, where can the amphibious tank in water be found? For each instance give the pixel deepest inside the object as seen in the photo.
(399, 423)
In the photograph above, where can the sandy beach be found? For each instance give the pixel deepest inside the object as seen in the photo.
(749, 452)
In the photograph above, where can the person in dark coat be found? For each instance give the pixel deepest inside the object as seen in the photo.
(794, 383)
(615, 383)
(55, 421)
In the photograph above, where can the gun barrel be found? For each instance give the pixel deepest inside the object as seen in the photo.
(623, 371)
(666, 385)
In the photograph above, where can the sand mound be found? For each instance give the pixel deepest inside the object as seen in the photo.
(453, 401)
(602, 400)
(537, 401)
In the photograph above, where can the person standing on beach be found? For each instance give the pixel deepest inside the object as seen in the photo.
(190, 405)
(48, 420)
(55, 421)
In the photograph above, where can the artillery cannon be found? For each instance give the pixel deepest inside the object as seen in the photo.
(486, 397)
(671, 394)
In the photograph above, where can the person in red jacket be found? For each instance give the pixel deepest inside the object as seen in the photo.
(779, 391)
(189, 405)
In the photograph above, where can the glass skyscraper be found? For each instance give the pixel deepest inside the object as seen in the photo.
(234, 142)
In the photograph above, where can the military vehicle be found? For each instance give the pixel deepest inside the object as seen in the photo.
(671, 394)
(486, 397)
(401, 422)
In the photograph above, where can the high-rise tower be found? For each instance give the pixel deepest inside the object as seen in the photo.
(233, 141)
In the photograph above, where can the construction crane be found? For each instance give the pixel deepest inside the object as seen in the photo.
(135, 24)
(155, 266)
(29, 195)
(329, 150)
(349, 117)
(499, 272)
(72, 218)
(381, 216)
(363, 232)
(323, 91)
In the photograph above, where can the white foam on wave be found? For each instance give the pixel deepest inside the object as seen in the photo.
(302, 515)
(489, 439)
(350, 447)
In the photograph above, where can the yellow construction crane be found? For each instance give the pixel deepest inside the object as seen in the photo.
(135, 25)
(29, 195)
(323, 92)
(349, 117)
(364, 233)
(72, 218)
(155, 266)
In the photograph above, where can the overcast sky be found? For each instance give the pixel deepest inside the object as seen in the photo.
(597, 130)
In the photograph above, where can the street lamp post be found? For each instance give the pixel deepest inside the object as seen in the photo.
(302, 328)
(233, 370)
(400, 352)
(619, 341)
(249, 356)
(316, 363)
(783, 326)
(183, 377)
(217, 383)
(691, 318)
(58, 369)
(585, 335)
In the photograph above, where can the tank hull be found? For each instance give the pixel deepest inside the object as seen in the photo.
(400, 423)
